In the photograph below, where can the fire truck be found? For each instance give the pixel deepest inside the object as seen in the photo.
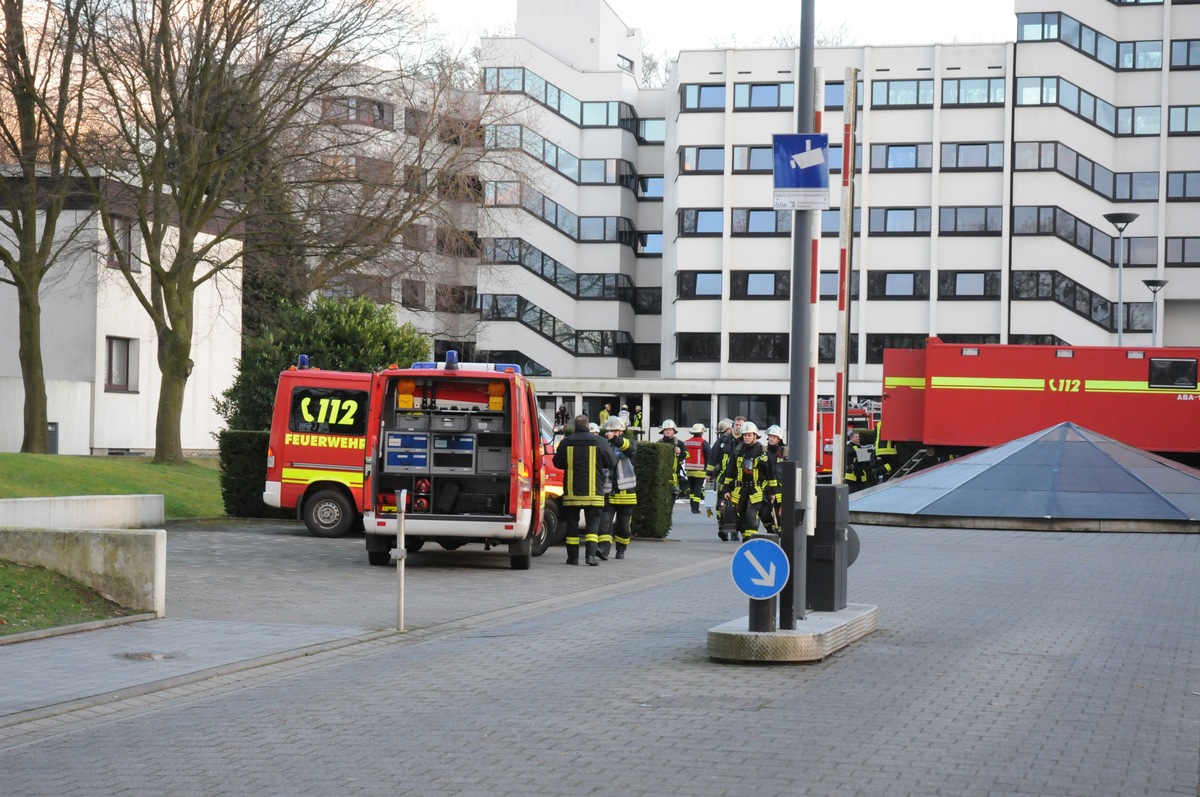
(972, 396)
(863, 417)
(464, 444)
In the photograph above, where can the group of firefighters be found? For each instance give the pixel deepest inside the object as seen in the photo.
(598, 480)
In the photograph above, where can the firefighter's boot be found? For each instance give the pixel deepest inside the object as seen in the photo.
(572, 554)
(620, 551)
(590, 554)
(602, 550)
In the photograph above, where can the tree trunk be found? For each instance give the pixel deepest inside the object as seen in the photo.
(174, 361)
(33, 375)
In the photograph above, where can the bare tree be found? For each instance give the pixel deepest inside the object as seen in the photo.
(197, 100)
(41, 85)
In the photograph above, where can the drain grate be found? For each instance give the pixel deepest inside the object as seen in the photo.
(149, 656)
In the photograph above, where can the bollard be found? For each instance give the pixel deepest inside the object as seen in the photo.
(764, 611)
(827, 554)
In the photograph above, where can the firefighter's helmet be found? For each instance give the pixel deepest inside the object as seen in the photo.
(594, 428)
(749, 428)
(614, 424)
(698, 428)
(775, 430)
(724, 425)
(669, 425)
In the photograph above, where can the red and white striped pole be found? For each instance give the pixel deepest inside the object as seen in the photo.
(846, 242)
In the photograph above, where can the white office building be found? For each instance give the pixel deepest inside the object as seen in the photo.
(639, 260)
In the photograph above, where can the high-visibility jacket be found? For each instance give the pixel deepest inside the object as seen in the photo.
(720, 452)
(583, 457)
(695, 462)
(621, 444)
(749, 472)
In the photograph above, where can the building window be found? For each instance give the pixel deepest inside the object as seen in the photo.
(836, 157)
(375, 287)
(650, 189)
(1052, 156)
(700, 97)
(969, 285)
(702, 160)
(1185, 54)
(120, 365)
(455, 299)
(831, 222)
(828, 285)
(649, 244)
(877, 343)
(121, 253)
(360, 110)
(1066, 292)
(647, 356)
(1183, 186)
(1131, 121)
(1183, 251)
(1033, 220)
(973, 91)
(699, 284)
(698, 347)
(902, 94)
(1123, 56)
(899, 221)
(835, 95)
(624, 63)
(753, 159)
(973, 157)
(758, 347)
(763, 96)
(827, 348)
(412, 294)
(1184, 120)
(647, 301)
(651, 131)
(898, 285)
(901, 157)
(693, 221)
(970, 220)
(760, 284)
(761, 221)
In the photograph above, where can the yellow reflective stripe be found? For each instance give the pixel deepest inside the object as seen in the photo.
(352, 479)
(1113, 386)
(915, 382)
(985, 383)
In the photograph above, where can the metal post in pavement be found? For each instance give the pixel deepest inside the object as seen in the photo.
(401, 555)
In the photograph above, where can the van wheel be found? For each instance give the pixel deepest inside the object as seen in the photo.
(412, 545)
(546, 532)
(329, 513)
(379, 558)
(520, 554)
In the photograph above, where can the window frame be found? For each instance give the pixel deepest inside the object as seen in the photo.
(740, 281)
(120, 350)
(706, 342)
(688, 284)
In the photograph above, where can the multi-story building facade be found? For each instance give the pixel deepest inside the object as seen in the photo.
(639, 261)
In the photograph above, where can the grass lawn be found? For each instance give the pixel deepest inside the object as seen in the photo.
(34, 598)
(189, 491)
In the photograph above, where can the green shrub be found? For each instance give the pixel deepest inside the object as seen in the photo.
(652, 515)
(244, 473)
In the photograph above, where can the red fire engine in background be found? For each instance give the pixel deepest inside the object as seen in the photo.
(863, 418)
(972, 396)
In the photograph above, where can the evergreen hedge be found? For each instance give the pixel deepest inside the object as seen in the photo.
(244, 473)
(655, 501)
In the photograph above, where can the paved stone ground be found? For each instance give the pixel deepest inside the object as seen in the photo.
(1006, 663)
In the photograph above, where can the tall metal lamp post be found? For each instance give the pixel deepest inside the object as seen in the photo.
(1120, 220)
(1155, 285)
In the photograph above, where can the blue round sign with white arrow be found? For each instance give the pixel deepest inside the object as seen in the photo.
(760, 568)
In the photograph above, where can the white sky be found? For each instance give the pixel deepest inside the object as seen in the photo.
(673, 25)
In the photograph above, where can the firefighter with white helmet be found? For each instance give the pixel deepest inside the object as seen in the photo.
(777, 450)
(695, 465)
(747, 483)
(718, 457)
(618, 511)
(669, 437)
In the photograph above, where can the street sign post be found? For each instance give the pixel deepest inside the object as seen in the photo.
(760, 568)
(801, 171)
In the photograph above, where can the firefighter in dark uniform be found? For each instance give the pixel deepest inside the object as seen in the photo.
(777, 451)
(885, 455)
(747, 482)
(718, 457)
(695, 465)
(856, 471)
(670, 438)
(619, 511)
(583, 456)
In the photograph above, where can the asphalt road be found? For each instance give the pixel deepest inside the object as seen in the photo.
(1005, 663)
